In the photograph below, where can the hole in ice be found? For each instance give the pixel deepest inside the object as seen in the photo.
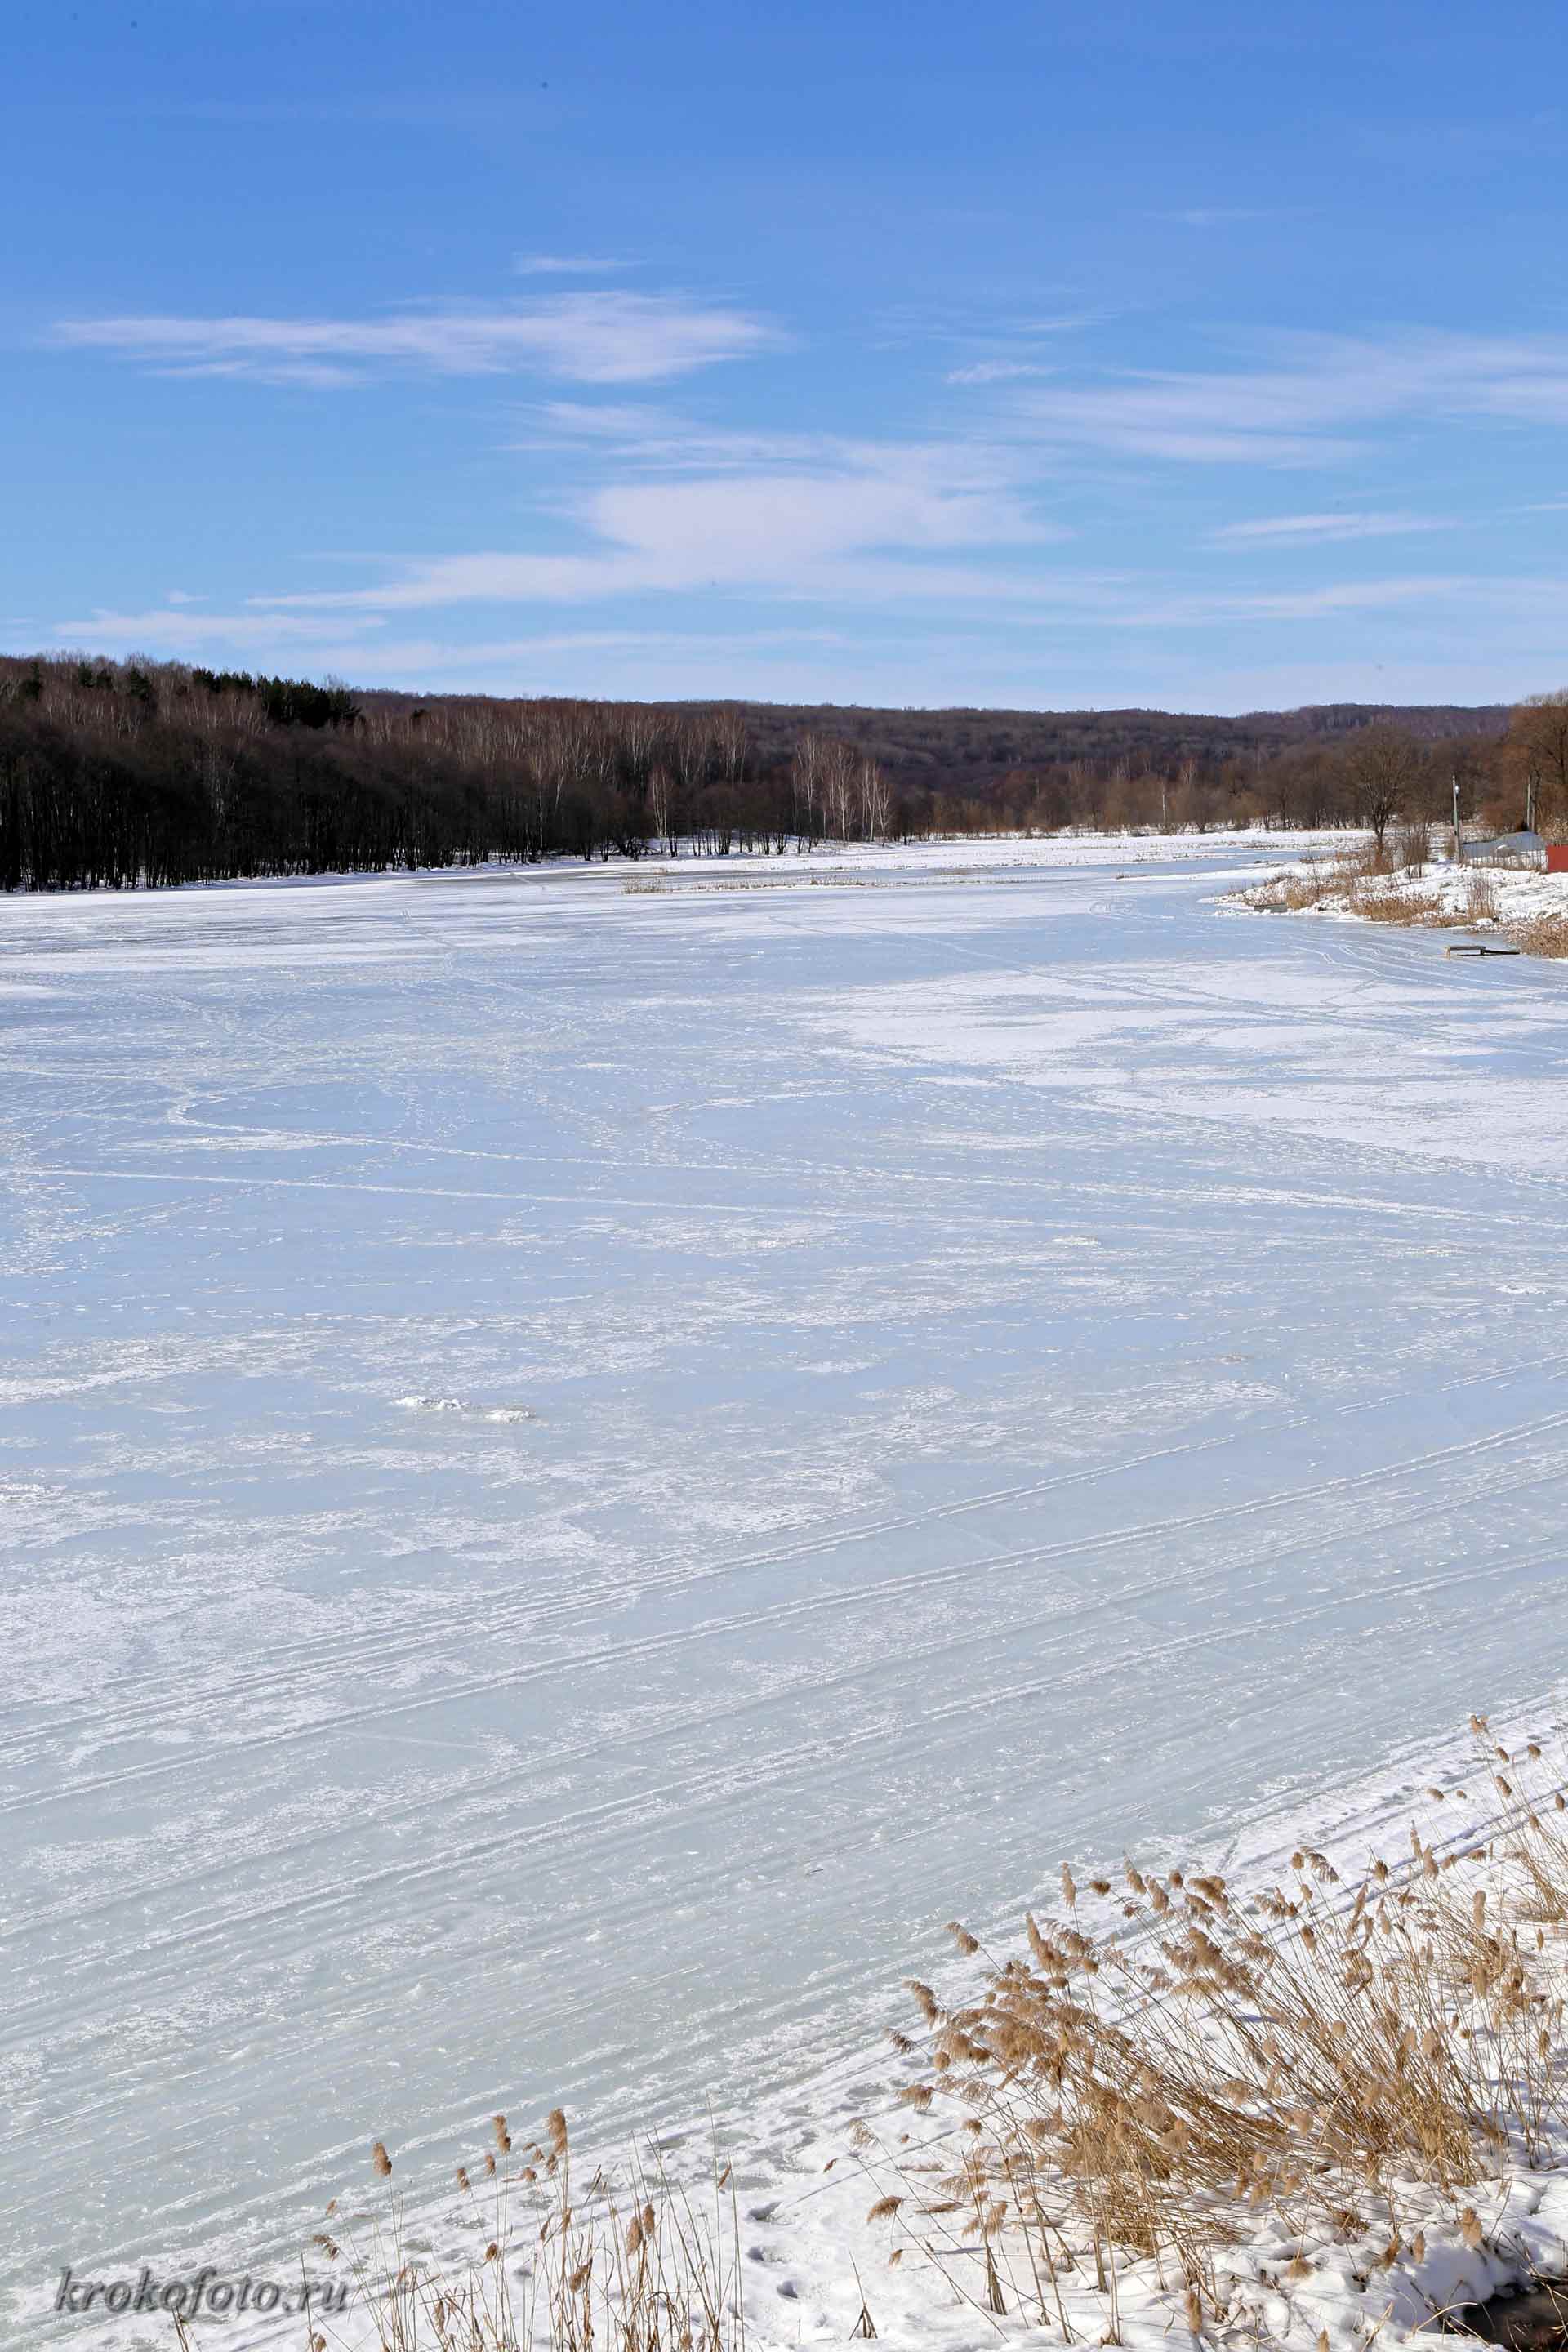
(1529, 2319)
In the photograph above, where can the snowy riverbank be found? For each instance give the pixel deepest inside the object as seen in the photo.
(1522, 907)
(1405, 1943)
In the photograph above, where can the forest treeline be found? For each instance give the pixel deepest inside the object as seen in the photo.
(121, 773)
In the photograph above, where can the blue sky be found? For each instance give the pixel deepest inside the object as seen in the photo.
(1199, 354)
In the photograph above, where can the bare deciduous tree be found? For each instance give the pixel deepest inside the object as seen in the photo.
(1536, 756)
(1384, 766)
(876, 801)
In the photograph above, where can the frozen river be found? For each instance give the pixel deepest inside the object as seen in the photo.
(579, 1469)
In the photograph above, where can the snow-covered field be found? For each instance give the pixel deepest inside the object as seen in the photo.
(582, 1467)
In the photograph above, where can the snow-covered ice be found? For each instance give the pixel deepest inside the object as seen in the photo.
(580, 1468)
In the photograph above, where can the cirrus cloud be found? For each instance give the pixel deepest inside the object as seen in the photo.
(1305, 400)
(1322, 529)
(791, 514)
(566, 265)
(588, 338)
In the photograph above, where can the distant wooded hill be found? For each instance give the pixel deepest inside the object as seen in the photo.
(959, 742)
(124, 773)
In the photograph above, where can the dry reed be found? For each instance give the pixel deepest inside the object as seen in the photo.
(1540, 935)
(638, 2269)
(1410, 847)
(1157, 2076)
(1378, 890)
(1151, 2092)
(1480, 896)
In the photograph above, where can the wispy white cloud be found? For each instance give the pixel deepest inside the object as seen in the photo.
(661, 440)
(175, 630)
(1222, 216)
(310, 375)
(1320, 529)
(1006, 349)
(642, 502)
(588, 338)
(351, 633)
(1313, 393)
(1061, 322)
(1461, 601)
(786, 515)
(384, 656)
(618, 421)
(692, 507)
(664, 441)
(997, 372)
(358, 645)
(566, 265)
(1184, 610)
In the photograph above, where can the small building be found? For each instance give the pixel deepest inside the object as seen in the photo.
(1522, 847)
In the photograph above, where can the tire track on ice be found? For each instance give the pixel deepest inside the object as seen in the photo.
(727, 1783)
(1068, 1618)
(900, 1589)
(684, 1573)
